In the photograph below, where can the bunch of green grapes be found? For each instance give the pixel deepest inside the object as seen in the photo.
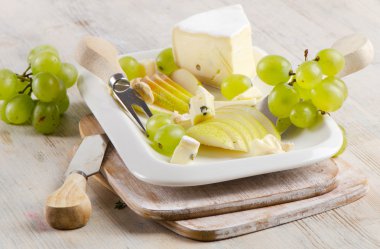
(163, 133)
(38, 95)
(313, 89)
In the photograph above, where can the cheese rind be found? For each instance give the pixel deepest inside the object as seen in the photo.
(215, 44)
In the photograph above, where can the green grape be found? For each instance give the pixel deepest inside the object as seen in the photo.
(3, 105)
(132, 68)
(47, 62)
(303, 93)
(327, 96)
(8, 84)
(344, 144)
(155, 122)
(168, 137)
(39, 49)
(303, 114)
(308, 74)
(282, 99)
(282, 124)
(19, 109)
(63, 104)
(273, 69)
(45, 117)
(331, 61)
(47, 87)
(165, 61)
(68, 74)
(340, 83)
(234, 85)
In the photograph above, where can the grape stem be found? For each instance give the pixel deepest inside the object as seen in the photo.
(291, 73)
(291, 83)
(305, 54)
(25, 88)
(26, 70)
(316, 58)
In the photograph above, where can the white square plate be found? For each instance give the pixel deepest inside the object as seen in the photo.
(211, 165)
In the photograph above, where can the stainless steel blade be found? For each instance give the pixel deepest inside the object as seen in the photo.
(89, 156)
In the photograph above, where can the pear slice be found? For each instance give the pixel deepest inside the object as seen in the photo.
(259, 116)
(164, 84)
(165, 99)
(150, 66)
(256, 126)
(175, 85)
(241, 129)
(186, 79)
(237, 138)
(253, 131)
(211, 135)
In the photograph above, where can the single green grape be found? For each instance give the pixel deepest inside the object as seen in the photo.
(19, 109)
(234, 85)
(68, 74)
(340, 83)
(63, 104)
(304, 114)
(331, 61)
(132, 68)
(3, 105)
(165, 61)
(274, 69)
(344, 144)
(47, 62)
(45, 117)
(308, 74)
(156, 122)
(47, 87)
(8, 84)
(168, 137)
(282, 99)
(282, 124)
(327, 96)
(303, 93)
(39, 49)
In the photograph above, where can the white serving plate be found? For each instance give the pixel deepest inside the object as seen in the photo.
(211, 165)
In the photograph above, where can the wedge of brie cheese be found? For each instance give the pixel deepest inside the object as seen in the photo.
(201, 106)
(215, 44)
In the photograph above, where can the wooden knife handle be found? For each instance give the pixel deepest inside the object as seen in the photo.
(98, 56)
(69, 207)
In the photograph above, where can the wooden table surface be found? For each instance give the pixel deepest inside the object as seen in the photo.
(32, 165)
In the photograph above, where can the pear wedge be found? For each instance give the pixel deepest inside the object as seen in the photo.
(164, 84)
(237, 138)
(165, 99)
(237, 126)
(256, 127)
(186, 79)
(260, 117)
(175, 85)
(211, 135)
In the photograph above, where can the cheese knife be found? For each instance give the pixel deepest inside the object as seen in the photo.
(69, 207)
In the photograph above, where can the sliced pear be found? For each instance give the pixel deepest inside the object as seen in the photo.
(164, 84)
(165, 99)
(251, 93)
(260, 117)
(225, 103)
(253, 132)
(257, 127)
(211, 135)
(186, 79)
(237, 127)
(237, 138)
(175, 85)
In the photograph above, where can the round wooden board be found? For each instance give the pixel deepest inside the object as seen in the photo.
(169, 203)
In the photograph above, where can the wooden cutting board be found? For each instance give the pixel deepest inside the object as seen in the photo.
(177, 203)
(345, 185)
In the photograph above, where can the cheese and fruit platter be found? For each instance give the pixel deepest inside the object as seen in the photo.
(213, 126)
